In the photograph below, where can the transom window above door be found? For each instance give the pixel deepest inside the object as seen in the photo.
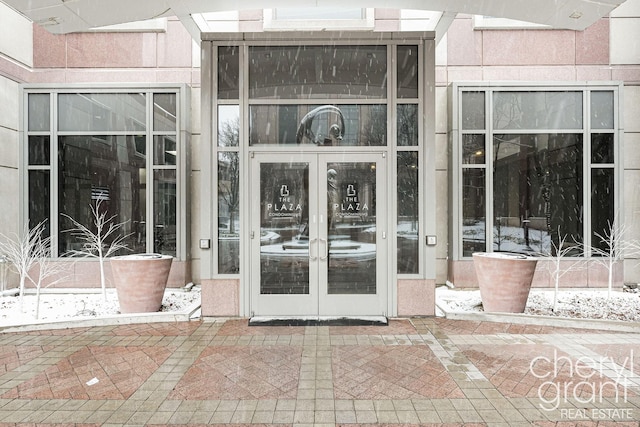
(307, 72)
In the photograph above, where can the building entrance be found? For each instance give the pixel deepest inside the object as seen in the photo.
(318, 234)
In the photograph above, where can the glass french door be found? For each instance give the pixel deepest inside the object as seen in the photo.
(318, 236)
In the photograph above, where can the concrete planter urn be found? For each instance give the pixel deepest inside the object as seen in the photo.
(140, 281)
(504, 280)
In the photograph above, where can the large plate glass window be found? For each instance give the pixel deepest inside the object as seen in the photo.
(534, 154)
(100, 154)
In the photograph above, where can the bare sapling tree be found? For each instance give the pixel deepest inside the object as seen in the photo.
(610, 249)
(46, 271)
(23, 251)
(100, 241)
(557, 264)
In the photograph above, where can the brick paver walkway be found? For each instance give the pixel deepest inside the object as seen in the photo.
(426, 371)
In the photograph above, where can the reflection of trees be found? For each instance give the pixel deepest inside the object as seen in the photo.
(473, 210)
(507, 111)
(408, 187)
(407, 125)
(229, 184)
(229, 169)
(374, 132)
(473, 149)
(229, 133)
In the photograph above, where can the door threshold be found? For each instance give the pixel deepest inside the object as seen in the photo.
(318, 321)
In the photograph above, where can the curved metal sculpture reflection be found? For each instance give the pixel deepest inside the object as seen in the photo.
(336, 129)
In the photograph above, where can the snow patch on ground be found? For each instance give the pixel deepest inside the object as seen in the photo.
(83, 304)
(576, 304)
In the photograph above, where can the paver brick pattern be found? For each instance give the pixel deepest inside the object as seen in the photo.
(12, 356)
(413, 372)
(625, 355)
(398, 372)
(458, 327)
(242, 373)
(240, 327)
(120, 370)
(537, 370)
(157, 329)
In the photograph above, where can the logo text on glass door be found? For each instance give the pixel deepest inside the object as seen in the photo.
(284, 205)
(351, 205)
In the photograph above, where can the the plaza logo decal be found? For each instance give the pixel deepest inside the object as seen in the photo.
(351, 204)
(285, 205)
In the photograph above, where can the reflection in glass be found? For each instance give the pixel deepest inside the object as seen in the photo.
(473, 149)
(39, 112)
(228, 213)
(102, 112)
(602, 148)
(284, 233)
(407, 125)
(473, 111)
(373, 128)
(355, 125)
(296, 72)
(539, 186)
(39, 199)
(537, 110)
(228, 125)
(408, 211)
(164, 150)
(313, 126)
(106, 168)
(39, 149)
(602, 205)
(228, 72)
(164, 112)
(407, 71)
(351, 225)
(602, 110)
(165, 198)
(473, 211)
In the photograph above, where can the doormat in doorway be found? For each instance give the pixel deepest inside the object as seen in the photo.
(319, 321)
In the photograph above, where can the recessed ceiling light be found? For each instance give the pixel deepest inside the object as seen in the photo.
(576, 15)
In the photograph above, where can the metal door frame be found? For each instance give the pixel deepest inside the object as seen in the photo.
(318, 302)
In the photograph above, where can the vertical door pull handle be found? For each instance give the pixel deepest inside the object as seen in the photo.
(311, 257)
(326, 249)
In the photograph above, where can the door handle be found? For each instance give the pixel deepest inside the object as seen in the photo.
(311, 257)
(326, 249)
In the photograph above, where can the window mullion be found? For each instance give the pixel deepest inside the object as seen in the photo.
(587, 168)
(150, 220)
(488, 164)
(54, 169)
